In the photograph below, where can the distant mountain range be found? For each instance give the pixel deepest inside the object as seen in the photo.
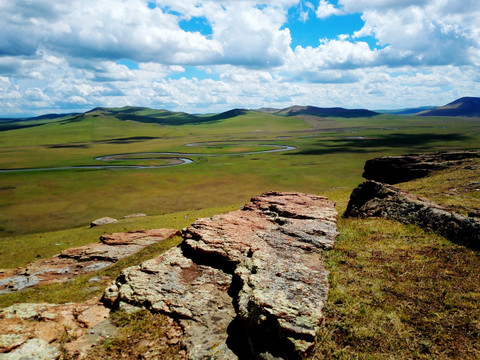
(466, 106)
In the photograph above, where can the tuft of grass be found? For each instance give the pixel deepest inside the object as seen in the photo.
(141, 335)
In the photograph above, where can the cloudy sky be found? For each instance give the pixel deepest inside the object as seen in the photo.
(209, 56)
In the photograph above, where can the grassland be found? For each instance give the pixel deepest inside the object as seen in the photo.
(330, 153)
(397, 292)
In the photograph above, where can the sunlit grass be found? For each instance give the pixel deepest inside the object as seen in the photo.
(457, 188)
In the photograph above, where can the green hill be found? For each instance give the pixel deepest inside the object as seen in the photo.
(325, 112)
(465, 106)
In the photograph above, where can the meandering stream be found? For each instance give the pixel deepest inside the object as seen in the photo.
(177, 158)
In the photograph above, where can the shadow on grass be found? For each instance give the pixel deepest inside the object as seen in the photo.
(12, 125)
(181, 118)
(359, 145)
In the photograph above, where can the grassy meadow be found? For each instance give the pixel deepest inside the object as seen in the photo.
(397, 292)
(330, 153)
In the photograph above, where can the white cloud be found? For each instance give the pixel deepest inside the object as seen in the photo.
(434, 32)
(352, 6)
(65, 55)
(115, 29)
(110, 29)
(325, 9)
(333, 54)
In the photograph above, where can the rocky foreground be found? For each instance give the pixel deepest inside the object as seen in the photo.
(81, 260)
(247, 284)
(374, 199)
(35, 331)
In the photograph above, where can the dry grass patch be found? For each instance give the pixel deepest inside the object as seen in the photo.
(141, 335)
(457, 188)
(398, 292)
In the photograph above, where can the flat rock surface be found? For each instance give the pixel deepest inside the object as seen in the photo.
(374, 199)
(247, 284)
(81, 260)
(35, 331)
(396, 169)
(194, 294)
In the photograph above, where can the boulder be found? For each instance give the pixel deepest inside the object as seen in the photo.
(397, 169)
(103, 221)
(250, 283)
(138, 237)
(34, 349)
(374, 199)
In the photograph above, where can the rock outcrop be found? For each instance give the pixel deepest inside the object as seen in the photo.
(247, 284)
(37, 331)
(81, 260)
(397, 169)
(374, 199)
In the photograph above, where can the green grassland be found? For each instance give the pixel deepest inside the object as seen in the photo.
(330, 153)
(397, 292)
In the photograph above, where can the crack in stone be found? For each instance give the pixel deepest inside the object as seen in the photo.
(244, 284)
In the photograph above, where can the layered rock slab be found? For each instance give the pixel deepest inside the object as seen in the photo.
(374, 199)
(194, 295)
(396, 169)
(249, 283)
(36, 331)
(81, 260)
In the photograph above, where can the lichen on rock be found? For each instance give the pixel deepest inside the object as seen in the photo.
(248, 283)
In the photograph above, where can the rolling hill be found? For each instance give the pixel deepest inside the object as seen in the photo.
(325, 112)
(465, 106)
(172, 118)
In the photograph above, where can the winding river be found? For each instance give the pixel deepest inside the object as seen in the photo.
(177, 159)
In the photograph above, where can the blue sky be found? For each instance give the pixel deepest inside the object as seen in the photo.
(211, 56)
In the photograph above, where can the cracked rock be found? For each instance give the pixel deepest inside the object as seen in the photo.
(249, 284)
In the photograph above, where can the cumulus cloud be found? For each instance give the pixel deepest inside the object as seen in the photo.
(67, 55)
(325, 9)
(428, 32)
(332, 54)
(115, 29)
(352, 6)
(254, 38)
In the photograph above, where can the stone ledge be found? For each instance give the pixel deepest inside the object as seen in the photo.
(248, 284)
(374, 199)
